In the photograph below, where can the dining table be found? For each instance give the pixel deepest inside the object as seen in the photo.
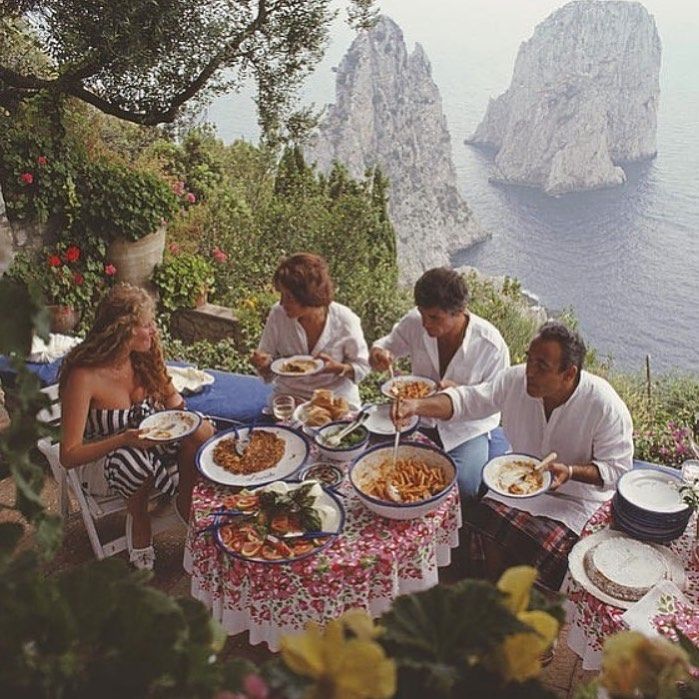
(592, 621)
(370, 563)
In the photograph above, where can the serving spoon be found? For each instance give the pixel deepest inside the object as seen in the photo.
(334, 439)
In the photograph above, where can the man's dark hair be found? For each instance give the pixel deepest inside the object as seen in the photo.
(443, 288)
(573, 348)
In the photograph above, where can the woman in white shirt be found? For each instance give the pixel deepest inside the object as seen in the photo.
(451, 345)
(306, 320)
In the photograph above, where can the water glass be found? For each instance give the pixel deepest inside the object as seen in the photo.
(283, 407)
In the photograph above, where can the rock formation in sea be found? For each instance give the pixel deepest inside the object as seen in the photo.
(583, 99)
(388, 112)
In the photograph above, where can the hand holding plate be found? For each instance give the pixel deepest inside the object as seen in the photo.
(560, 473)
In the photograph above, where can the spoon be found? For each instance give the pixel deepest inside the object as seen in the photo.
(546, 461)
(335, 439)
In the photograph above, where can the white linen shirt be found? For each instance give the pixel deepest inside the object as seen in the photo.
(342, 338)
(481, 356)
(592, 426)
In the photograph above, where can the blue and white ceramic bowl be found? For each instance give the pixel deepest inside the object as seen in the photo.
(365, 465)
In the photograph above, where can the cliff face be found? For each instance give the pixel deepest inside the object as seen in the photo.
(388, 112)
(583, 98)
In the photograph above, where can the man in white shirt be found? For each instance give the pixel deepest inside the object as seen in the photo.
(549, 404)
(453, 346)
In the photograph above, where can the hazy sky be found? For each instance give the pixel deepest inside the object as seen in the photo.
(472, 45)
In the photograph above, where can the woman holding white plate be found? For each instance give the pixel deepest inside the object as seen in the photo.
(108, 384)
(454, 347)
(307, 321)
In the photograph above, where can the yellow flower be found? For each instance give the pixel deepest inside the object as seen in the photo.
(519, 656)
(633, 663)
(516, 583)
(343, 667)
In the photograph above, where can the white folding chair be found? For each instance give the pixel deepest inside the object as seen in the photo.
(75, 481)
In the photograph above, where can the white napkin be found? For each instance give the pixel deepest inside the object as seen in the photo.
(662, 598)
(57, 346)
(189, 379)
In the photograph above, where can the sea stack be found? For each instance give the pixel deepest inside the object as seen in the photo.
(583, 100)
(388, 112)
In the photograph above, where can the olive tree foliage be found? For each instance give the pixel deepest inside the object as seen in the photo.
(142, 60)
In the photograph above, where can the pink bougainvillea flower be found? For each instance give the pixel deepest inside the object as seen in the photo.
(78, 278)
(110, 270)
(42, 160)
(219, 255)
(26, 178)
(174, 248)
(54, 261)
(72, 253)
(191, 197)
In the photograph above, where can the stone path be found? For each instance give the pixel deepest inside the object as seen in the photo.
(562, 676)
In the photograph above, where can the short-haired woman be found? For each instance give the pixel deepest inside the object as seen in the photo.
(453, 346)
(108, 384)
(306, 320)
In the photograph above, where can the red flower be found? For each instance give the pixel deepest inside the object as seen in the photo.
(110, 270)
(178, 188)
(219, 255)
(42, 160)
(72, 254)
(26, 178)
(191, 197)
(54, 261)
(174, 248)
(78, 278)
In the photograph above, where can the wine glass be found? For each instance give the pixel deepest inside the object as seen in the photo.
(283, 407)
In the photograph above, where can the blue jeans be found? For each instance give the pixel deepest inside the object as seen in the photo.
(470, 457)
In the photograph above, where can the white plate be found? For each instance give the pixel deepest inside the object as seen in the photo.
(278, 365)
(379, 421)
(388, 387)
(189, 379)
(651, 490)
(169, 425)
(491, 472)
(577, 569)
(296, 452)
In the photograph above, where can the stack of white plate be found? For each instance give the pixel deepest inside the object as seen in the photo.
(648, 506)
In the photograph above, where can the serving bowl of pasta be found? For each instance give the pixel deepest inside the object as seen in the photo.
(417, 483)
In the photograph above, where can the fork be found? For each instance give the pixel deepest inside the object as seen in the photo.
(242, 443)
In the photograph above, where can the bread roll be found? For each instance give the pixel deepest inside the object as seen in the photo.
(318, 416)
(323, 398)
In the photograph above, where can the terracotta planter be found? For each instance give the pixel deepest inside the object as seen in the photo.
(202, 299)
(62, 319)
(136, 260)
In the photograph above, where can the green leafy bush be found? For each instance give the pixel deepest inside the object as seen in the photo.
(118, 201)
(181, 278)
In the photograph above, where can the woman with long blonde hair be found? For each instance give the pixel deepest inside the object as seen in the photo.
(107, 385)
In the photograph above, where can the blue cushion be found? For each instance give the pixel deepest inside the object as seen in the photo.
(232, 396)
(47, 372)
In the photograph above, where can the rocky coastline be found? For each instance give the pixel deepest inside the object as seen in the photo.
(388, 113)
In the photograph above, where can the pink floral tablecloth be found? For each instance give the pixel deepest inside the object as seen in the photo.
(592, 621)
(368, 566)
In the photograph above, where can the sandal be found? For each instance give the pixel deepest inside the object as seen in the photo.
(144, 558)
